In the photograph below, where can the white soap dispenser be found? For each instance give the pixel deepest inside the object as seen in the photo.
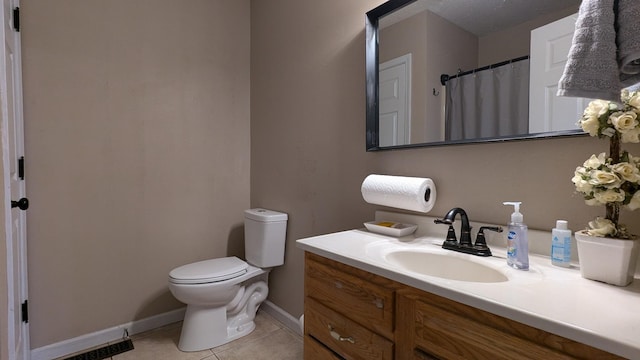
(517, 243)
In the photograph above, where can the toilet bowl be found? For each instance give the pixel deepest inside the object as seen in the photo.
(222, 307)
(223, 294)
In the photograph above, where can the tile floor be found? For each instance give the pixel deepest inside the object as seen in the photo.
(270, 340)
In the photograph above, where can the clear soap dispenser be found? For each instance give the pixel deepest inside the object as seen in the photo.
(517, 243)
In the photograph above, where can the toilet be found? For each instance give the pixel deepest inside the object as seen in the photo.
(223, 294)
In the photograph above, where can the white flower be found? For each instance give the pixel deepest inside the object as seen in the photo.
(590, 124)
(590, 121)
(597, 108)
(604, 178)
(594, 162)
(581, 184)
(614, 180)
(634, 100)
(601, 227)
(609, 196)
(606, 118)
(631, 136)
(624, 121)
(625, 95)
(627, 171)
(635, 202)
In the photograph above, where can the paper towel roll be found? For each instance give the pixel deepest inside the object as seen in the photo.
(403, 192)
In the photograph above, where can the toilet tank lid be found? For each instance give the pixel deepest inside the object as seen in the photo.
(265, 215)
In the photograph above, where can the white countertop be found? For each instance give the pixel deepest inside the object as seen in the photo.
(554, 299)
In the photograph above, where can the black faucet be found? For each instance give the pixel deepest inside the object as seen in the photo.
(465, 246)
(465, 229)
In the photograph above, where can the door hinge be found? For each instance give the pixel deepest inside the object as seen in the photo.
(25, 311)
(16, 19)
(21, 167)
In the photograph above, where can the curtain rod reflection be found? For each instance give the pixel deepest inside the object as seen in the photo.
(444, 77)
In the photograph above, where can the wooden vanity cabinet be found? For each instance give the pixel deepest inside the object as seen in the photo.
(353, 314)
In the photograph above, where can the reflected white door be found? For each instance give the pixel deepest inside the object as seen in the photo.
(395, 101)
(14, 187)
(549, 51)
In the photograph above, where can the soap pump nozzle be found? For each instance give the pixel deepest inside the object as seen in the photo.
(516, 216)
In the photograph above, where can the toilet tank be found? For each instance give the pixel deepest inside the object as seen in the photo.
(264, 237)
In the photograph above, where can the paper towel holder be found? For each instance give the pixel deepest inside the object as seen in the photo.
(427, 194)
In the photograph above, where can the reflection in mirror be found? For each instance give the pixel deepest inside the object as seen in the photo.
(449, 72)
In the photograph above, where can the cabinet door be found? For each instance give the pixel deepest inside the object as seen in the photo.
(437, 328)
(446, 333)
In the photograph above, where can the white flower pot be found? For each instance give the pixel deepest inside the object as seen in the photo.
(612, 261)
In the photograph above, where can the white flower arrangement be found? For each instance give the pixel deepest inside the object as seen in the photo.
(612, 181)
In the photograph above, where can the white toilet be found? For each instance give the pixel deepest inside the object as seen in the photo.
(223, 295)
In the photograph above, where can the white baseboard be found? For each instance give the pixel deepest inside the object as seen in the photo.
(105, 336)
(115, 333)
(284, 317)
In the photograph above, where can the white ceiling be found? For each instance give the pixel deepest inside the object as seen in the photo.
(482, 17)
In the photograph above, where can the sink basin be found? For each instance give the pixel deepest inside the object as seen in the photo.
(444, 266)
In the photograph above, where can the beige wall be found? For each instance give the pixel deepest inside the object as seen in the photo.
(308, 126)
(514, 42)
(137, 138)
(138, 145)
(307, 123)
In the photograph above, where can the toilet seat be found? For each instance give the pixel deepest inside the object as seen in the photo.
(209, 271)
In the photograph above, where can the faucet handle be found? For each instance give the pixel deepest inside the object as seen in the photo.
(492, 228)
(451, 239)
(451, 242)
(480, 239)
(481, 242)
(451, 234)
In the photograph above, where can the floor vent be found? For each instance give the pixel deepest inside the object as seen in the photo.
(105, 351)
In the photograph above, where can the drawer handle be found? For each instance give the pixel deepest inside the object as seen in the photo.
(379, 303)
(339, 337)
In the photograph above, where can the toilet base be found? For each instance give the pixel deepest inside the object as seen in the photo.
(205, 328)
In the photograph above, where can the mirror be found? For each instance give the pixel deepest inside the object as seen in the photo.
(423, 55)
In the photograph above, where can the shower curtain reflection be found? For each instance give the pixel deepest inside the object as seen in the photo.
(488, 103)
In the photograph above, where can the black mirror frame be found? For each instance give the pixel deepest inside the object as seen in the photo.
(372, 68)
(372, 92)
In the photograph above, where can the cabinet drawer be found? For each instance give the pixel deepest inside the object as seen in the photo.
(345, 337)
(432, 327)
(450, 336)
(313, 350)
(367, 303)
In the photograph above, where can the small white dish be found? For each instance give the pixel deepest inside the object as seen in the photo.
(390, 228)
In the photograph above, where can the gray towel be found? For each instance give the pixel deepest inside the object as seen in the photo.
(628, 41)
(603, 60)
